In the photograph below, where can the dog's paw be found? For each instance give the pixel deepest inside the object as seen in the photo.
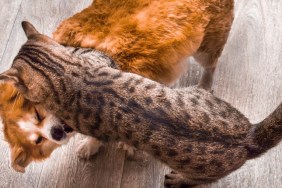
(130, 151)
(175, 180)
(87, 148)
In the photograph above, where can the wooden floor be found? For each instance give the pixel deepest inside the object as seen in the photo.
(249, 76)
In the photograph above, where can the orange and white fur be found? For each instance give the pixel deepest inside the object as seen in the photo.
(151, 38)
(28, 128)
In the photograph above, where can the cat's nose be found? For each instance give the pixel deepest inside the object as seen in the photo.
(57, 133)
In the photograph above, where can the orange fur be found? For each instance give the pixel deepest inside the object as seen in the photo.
(151, 37)
(14, 108)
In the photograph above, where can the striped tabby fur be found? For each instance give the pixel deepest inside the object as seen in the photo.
(198, 135)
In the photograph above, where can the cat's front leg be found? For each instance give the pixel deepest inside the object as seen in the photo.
(88, 147)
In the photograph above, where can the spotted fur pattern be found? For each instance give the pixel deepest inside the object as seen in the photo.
(198, 135)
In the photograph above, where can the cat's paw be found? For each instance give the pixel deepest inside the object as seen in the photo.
(175, 180)
(87, 148)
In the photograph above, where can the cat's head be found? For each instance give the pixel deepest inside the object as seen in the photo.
(28, 70)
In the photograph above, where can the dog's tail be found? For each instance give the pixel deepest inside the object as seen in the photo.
(265, 134)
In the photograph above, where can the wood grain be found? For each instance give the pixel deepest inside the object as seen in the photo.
(8, 13)
(249, 76)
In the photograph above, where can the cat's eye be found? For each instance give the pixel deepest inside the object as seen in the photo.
(38, 116)
(39, 140)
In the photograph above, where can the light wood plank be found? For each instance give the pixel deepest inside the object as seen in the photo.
(249, 77)
(8, 12)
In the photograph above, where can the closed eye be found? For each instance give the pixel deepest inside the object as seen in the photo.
(38, 116)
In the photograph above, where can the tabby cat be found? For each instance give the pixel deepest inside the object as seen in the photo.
(198, 135)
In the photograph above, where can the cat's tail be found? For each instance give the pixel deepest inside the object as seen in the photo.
(265, 134)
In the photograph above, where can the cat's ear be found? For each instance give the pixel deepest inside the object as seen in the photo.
(10, 75)
(29, 29)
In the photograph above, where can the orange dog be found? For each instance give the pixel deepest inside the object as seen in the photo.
(152, 37)
(28, 128)
(146, 37)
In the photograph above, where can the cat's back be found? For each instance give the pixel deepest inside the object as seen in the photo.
(200, 109)
(186, 109)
